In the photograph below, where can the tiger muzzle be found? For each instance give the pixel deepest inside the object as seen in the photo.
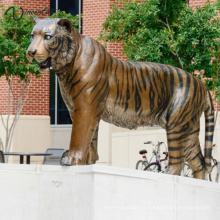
(45, 64)
(32, 55)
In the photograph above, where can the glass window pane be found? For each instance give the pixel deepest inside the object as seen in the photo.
(52, 6)
(52, 97)
(62, 111)
(69, 6)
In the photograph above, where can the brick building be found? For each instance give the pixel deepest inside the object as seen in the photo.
(44, 119)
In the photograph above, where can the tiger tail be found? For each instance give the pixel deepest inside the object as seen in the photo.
(209, 131)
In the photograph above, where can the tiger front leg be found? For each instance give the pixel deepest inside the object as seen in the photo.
(84, 124)
(92, 152)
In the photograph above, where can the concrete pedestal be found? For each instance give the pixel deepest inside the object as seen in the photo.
(95, 192)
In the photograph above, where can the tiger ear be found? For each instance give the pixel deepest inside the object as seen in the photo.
(66, 23)
(34, 19)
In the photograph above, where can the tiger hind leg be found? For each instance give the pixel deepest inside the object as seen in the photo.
(193, 154)
(176, 139)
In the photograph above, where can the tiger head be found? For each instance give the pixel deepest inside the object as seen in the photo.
(52, 43)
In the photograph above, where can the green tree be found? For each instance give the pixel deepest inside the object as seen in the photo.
(169, 32)
(15, 69)
(62, 14)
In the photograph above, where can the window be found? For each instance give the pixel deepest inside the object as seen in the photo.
(69, 6)
(59, 113)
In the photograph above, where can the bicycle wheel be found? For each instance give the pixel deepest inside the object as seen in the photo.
(164, 163)
(214, 175)
(153, 167)
(140, 165)
(187, 171)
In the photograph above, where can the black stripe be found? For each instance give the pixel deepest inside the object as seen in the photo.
(195, 156)
(151, 91)
(99, 91)
(138, 65)
(117, 93)
(180, 79)
(196, 131)
(139, 114)
(137, 100)
(73, 76)
(80, 91)
(209, 138)
(207, 153)
(171, 84)
(131, 74)
(59, 45)
(209, 128)
(176, 158)
(67, 79)
(170, 163)
(163, 81)
(176, 148)
(75, 83)
(100, 78)
(209, 120)
(186, 93)
(181, 118)
(105, 94)
(178, 138)
(183, 128)
(208, 164)
(111, 62)
(139, 85)
(99, 48)
(127, 91)
(189, 147)
(122, 82)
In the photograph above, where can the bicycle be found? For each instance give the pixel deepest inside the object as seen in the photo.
(160, 164)
(215, 173)
(141, 164)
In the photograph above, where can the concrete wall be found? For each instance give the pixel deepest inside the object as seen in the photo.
(95, 192)
(32, 134)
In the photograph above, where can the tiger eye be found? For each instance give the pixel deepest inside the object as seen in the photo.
(47, 37)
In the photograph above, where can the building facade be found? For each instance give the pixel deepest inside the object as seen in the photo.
(45, 122)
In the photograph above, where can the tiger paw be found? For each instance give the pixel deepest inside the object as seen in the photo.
(69, 160)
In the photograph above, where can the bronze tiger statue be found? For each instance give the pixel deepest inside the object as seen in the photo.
(95, 85)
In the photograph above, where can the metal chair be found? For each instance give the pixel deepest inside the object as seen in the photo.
(55, 158)
(2, 157)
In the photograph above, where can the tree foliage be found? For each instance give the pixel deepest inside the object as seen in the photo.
(14, 41)
(62, 14)
(169, 32)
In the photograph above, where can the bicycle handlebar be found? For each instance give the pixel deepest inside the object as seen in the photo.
(148, 142)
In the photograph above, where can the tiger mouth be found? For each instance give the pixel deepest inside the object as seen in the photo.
(45, 64)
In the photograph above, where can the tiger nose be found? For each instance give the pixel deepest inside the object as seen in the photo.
(32, 52)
